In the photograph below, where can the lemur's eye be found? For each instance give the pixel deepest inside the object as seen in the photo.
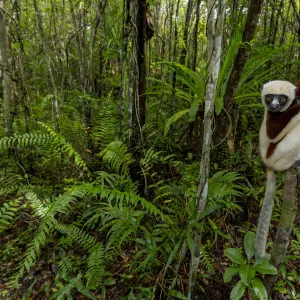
(268, 99)
(282, 99)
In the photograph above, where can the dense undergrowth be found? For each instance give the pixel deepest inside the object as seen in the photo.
(112, 221)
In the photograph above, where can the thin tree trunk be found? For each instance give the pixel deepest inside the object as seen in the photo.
(285, 226)
(285, 22)
(195, 35)
(186, 32)
(126, 30)
(235, 75)
(41, 32)
(6, 75)
(174, 59)
(139, 103)
(214, 36)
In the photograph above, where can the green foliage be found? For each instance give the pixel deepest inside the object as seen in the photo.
(247, 270)
(8, 213)
(116, 156)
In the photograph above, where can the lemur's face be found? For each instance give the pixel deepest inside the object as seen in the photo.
(275, 103)
(278, 95)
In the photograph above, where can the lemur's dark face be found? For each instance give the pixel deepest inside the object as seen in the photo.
(275, 103)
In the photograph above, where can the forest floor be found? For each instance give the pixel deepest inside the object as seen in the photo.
(38, 284)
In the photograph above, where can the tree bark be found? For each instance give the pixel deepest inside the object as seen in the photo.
(6, 73)
(126, 30)
(214, 36)
(186, 32)
(139, 103)
(235, 75)
(41, 32)
(195, 35)
(285, 226)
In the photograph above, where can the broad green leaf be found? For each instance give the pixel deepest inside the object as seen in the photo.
(173, 119)
(265, 268)
(238, 291)
(177, 294)
(190, 242)
(234, 255)
(259, 288)
(231, 271)
(247, 272)
(194, 108)
(249, 244)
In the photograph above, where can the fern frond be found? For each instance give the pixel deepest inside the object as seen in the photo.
(117, 157)
(79, 236)
(67, 148)
(24, 140)
(207, 260)
(7, 213)
(96, 266)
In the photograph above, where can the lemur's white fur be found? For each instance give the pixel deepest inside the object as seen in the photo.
(287, 151)
(279, 148)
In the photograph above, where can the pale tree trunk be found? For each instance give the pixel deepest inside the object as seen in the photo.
(285, 225)
(126, 30)
(48, 60)
(6, 73)
(214, 37)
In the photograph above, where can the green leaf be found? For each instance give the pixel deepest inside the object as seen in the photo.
(173, 119)
(247, 272)
(259, 288)
(249, 244)
(231, 271)
(177, 294)
(265, 268)
(194, 108)
(190, 242)
(238, 291)
(234, 255)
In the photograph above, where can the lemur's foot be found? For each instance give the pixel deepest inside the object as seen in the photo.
(296, 166)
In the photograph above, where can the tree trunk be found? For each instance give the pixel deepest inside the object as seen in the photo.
(223, 123)
(186, 32)
(41, 32)
(6, 74)
(285, 226)
(139, 97)
(195, 36)
(126, 30)
(214, 36)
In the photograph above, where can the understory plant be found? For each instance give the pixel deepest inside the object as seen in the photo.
(248, 270)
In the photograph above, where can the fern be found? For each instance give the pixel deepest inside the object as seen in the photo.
(79, 236)
(95, 264)
(73, 283)
(207, 260)
(7, 213)
(116, 156)
(61, 143)
(24, 140)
